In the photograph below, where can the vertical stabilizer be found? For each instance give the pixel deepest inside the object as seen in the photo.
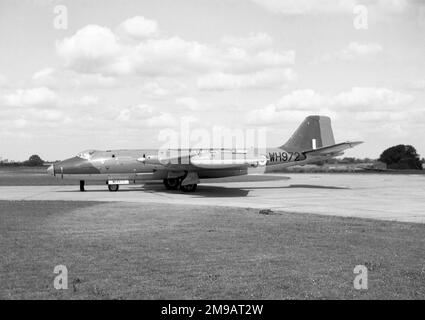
(314, 132)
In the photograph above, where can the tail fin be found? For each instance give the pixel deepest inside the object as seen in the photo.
(314, 132)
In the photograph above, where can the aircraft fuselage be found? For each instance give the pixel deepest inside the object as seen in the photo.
(127, 165)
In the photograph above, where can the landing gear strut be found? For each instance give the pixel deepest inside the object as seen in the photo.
(175, 183)
(188, 187)
(113, 187)
(82, 183)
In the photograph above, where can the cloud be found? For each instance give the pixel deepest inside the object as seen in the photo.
(162, 87)
(189, 102)
(254, 41)
(354, 51)
(256, 80)
(35, 97)
(359, 103)
(369, 98)
(42, 108)
(139, 27)
(241, 61)
(96, 49)
(3, 81)
(146, 116)
(87, 101)
(65, 78)
(418, 84)
(301, 7)
(306, 99)
(90, 48)
(272, 114)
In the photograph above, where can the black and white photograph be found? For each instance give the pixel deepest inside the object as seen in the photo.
(212, 155)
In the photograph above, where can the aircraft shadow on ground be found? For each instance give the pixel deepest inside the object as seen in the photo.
(312, 186)
(218, 191)
(212, 191)
(202, 191)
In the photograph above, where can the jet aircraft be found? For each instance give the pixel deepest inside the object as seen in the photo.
(182, 169)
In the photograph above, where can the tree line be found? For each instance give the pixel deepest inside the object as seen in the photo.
(399, 157)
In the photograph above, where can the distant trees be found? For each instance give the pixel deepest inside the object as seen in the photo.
(346, 161)
(34, 161)
(401, 157)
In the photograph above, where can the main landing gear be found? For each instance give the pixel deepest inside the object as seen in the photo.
(172, 184)
(188, 187)
(175, 183)
(113, 187)
(82, 183)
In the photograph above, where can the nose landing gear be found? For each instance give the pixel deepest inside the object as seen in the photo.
(82, 183)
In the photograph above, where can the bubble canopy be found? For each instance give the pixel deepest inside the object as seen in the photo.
(87, 154)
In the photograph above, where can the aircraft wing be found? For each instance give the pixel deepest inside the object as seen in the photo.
(223, 160)
(206, 159)
(332, 150)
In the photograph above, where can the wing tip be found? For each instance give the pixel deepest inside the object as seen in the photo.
(354, 143)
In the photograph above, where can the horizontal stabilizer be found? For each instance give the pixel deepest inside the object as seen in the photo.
(334, 149)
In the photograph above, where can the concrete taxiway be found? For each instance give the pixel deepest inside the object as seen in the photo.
(375, 196)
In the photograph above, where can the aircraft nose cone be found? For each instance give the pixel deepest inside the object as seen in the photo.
(51, 170)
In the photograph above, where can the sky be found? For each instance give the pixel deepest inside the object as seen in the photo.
(78, 75)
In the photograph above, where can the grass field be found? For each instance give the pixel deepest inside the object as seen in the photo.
(31, 176)
(125, 250)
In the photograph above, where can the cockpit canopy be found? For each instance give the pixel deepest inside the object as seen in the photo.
(86, 154)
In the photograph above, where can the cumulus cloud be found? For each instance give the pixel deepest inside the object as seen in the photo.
(306, 99)
(90, 48)
(272, 114)
(189, 102)
(106, 54)
(418, 84)
(3, 81)
(355, 51)
(34, 97)
(363, 103)
(139, 27)
(359, 98)
(58, 78)
(241, 61)
(261, 79)
(254, 41)
(87, 101)
(42, 107)
(298, 7)
(146, 116)
(96, 49)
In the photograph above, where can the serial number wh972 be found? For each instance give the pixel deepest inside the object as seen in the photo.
(285, 156)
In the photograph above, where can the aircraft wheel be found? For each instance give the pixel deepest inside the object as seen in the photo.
(171, 184)
(189, 188)
(113, 187)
